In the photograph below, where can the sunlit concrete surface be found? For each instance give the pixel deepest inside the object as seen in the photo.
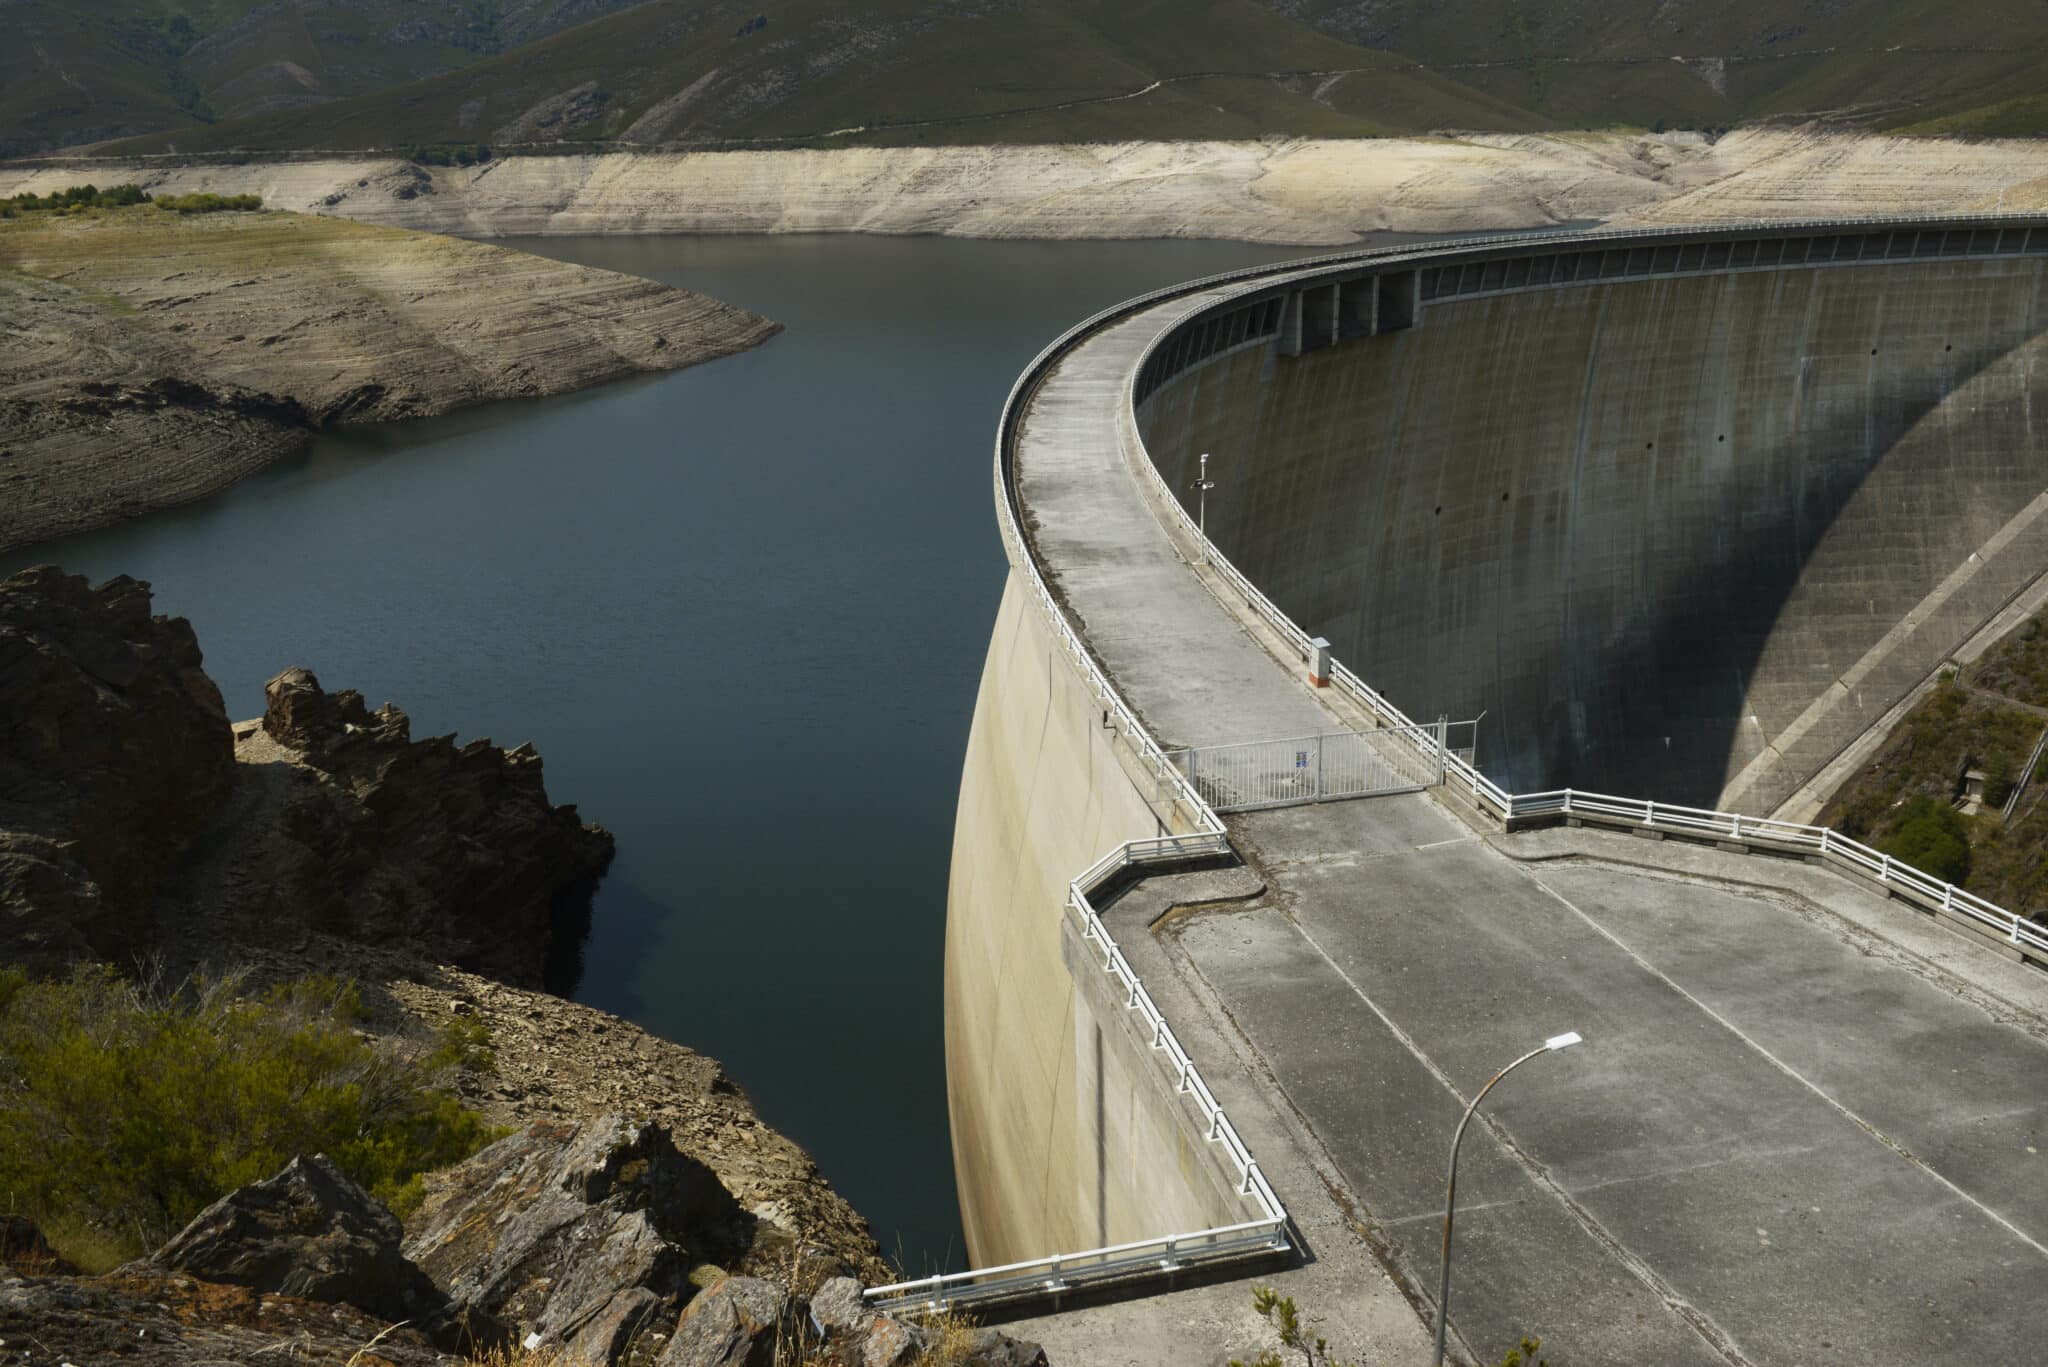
(1805, 1125)
(1783, 1142)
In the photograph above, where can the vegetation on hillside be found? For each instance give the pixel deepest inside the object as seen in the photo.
(571, 74)
(1989, 720)
(78, 199)
(125, 1110)
(74, 199)
(207, 203)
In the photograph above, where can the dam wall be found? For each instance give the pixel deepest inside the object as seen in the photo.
(1678, 515)
(1067, 1133)
(1682, 537)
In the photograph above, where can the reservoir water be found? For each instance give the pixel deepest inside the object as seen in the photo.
(741, 610)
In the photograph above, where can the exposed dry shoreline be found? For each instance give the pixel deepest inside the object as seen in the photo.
(1294, 191)
(154, 359)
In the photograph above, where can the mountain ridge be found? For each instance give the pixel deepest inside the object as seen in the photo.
(140, 76)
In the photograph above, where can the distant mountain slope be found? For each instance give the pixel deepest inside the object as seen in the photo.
(1888, 63)
(74, 71)
(905, 70)
(284, 74)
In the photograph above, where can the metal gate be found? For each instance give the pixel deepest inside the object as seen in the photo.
(1324, 768)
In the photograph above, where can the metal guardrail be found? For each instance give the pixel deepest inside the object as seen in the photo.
(1262, 1237)
(1511, 809)
(1204, 832)
(1336, 765)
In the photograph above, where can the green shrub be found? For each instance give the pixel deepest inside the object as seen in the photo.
(125, 1111)
(1931, 836)
(207, 203)
(450, 154)
(75, 199)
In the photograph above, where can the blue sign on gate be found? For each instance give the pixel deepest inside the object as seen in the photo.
(1301, 759)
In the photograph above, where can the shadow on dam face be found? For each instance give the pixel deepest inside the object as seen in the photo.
(1680, 538)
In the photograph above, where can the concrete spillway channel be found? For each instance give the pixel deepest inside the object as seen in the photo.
(1681, 516)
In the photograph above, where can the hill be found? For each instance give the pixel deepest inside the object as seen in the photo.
(79, 71)
(156, 357)
(296, 74)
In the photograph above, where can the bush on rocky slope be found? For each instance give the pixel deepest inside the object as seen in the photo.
(126, 1110)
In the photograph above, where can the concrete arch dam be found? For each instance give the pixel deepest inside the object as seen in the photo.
(1683, 514)
(1682, 519)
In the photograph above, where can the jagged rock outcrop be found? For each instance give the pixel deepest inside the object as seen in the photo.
(312, 1233)
(151, 1319)
(590, 1244)
(114, 754)
(580, 1234)
(453, 848)
(754, 1322)
(128, 828)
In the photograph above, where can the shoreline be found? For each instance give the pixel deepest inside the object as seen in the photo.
(1279, 191)
(160, 360)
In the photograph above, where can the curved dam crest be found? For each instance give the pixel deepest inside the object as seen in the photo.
(1662, 534)
(1682, 515)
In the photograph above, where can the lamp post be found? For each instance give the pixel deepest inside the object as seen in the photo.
(1205, 484)
(1443, 1294)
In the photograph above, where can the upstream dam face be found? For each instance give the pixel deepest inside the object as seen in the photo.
(1678, 516)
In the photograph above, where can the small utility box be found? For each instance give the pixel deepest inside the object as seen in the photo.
(1319, 662)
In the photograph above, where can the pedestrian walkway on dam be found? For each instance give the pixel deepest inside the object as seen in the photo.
(1192, 672)
(1806, 1126)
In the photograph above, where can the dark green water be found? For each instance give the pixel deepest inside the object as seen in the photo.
(741, 610)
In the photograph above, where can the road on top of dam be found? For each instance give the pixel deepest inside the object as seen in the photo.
(1806, 1126)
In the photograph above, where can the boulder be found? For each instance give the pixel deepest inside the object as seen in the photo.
(738, 1323)
(142, 1318)
(309, 1232)
(995, 1349)
(312, 1233)
(455, 848)
(114, 755)
(549, 1228)
(889, 1343)
(838, 1309)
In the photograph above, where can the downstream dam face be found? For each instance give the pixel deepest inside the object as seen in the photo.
(1679, 519)
(1677, 515)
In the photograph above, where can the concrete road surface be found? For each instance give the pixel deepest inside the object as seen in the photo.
(1782, 1143)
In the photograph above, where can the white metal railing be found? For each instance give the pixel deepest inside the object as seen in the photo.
(1510, 808)
(1334, 765)
(1263, 1236)
(1200, 833)
(1198, 830)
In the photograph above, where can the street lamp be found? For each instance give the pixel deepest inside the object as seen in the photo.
(1205, 484)
(1443, 1295)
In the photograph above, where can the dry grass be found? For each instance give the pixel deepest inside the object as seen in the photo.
(547, 1355)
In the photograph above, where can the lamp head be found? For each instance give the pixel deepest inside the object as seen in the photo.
(1564, 1041)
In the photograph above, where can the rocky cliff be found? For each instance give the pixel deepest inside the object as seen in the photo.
(132, 823)
(154, 358)
(137, 825)
(114, 755)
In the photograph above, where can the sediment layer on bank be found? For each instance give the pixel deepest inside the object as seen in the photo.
(1280, 190)
(156, 358)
